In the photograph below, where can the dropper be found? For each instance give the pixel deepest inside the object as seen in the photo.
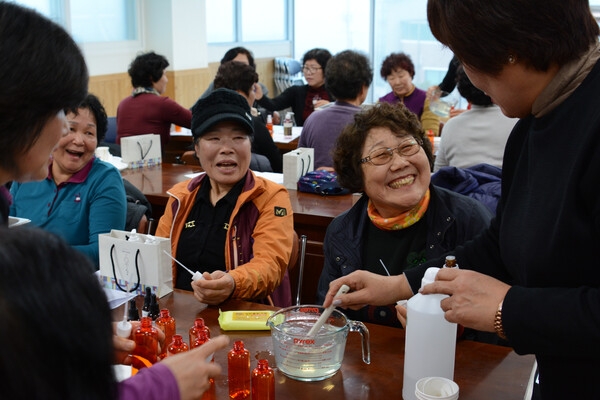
(196, 276)
(313, 331)
(124, 326)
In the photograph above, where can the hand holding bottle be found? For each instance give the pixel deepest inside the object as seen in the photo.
(192, 370)
(123, 347)
(215, 288)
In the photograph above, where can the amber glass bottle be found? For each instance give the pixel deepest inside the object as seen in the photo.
(238, 370)
(167, 324)
(146, 340)
(263, 382)
(195, 330)
(177, 346)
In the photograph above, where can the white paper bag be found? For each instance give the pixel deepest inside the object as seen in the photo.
(297, 163)
(141, 150)
(137, 263)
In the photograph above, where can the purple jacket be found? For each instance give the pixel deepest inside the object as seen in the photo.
(154, 383)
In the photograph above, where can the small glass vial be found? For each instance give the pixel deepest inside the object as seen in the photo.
(211, 393)
(450, 262)
(154, 308)
(263, 382)
(166, 323)
(177, 346)
(132, 312)
(146, 340)
(198, 327)
(270, 124)
(238, 371)
(147, 301)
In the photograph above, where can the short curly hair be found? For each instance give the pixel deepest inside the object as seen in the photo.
(146, 69)
(236, 75)
(395, 61)
(347, 152)
(347, 73)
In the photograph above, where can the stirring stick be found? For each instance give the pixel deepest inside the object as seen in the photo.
(313, 331)
(195, 275)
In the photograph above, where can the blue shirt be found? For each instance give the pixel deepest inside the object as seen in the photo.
(91, 202)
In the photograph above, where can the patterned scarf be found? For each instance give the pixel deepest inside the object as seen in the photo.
(139, 90)
(401, 221)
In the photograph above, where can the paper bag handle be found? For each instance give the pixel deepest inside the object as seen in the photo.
(137, 270)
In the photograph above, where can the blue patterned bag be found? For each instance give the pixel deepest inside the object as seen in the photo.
(321, 182)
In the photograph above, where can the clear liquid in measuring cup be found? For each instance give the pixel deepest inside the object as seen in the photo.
(309, 358)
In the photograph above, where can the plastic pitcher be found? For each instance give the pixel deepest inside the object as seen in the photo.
(305, 358)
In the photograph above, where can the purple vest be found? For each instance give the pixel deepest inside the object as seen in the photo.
(415, 102)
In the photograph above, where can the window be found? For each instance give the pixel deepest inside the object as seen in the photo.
(235, 21)
(92, 22)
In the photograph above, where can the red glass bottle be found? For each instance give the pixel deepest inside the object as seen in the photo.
(146, 340)
(238, 371)
(263, 382)
(199, 340)
(167, 324)
(211, 393)
(177, 346)
(195, 330)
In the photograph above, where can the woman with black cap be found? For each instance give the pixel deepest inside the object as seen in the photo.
(231, 225)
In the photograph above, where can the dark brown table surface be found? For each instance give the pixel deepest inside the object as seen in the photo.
(482, 371)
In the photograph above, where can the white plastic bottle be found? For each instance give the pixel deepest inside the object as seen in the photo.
(430, 340)
(288, 124)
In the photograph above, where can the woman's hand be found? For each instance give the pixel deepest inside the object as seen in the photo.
(192, 371)
(320, 103)
(215, 288)
(474, 297)
(123, 347)
(368, 288)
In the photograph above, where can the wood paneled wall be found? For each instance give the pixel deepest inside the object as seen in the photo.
(185, 86)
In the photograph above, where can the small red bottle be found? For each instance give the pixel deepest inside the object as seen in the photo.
(166, 323)
(177, 346)
(200, 339)
(211, 393)
(198, 326)
(238, 371)
(263, 382)
(146, 340)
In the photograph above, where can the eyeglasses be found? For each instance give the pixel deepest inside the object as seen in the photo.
(312, 70)
(383, 156)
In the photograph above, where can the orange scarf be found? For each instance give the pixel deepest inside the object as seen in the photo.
(401, 221)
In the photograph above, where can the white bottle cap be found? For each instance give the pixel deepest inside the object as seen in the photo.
(429, 276)
(124, 329)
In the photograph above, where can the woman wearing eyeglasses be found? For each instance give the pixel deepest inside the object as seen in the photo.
(306, 98)
(401, 220)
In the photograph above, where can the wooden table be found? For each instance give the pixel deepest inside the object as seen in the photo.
(312, 214)
(482, 371)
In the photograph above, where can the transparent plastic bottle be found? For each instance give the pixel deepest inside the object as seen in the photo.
(288, 124)
(177, 346)
(238, 371)
(146, 340)
(263, 382)
(166, 323)
(430, 340)
(197, 328)
(270, 124)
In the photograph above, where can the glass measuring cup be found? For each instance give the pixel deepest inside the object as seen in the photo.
(305, 358)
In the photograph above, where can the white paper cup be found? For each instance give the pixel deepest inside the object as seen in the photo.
(436, 388)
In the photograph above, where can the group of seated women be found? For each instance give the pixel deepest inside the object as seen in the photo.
(236, 227)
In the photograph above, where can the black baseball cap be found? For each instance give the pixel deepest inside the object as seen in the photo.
(220, 105)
